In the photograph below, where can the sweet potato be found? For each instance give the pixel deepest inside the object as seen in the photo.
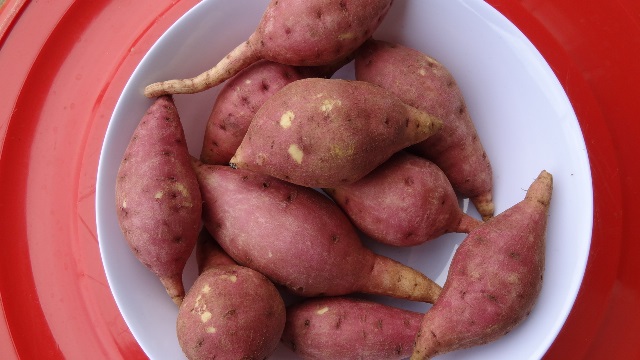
(239, 100)
(303, 33)
(329, 132)
(230, 312)
(298, 238)
(157, 196)
(426, 84)
(343, 328)
(406, 201)
(494, 279)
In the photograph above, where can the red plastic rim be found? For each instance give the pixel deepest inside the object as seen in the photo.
(63, 66)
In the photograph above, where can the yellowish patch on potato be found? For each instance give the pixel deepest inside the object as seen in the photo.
(183, 189)
(231, 278)
(185, 193)
(323, 310)
(124, 203)
(159, 195)
(422, 72)
(206, 288)
(200, 308)
(339, 151)
(286, 119)
(248, 81)
(205, 316)
(328, 104)
(513, 279)
(346, 36)
(270, 254)
(210, 330)
(296, 153)
(318, 96)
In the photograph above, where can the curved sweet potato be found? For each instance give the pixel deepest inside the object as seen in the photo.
(343, 328)
(494, 279)
(424, 83)
(302, 33)
(157, 196)
(329, 132)
(406, 201)
(298, 238)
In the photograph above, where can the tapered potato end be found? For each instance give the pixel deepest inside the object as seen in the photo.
(174, 287)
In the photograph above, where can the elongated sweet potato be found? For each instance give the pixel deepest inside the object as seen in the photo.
(404, 202)
(344, 328)
(304, 33)
(241, 97)
(329, 132)
(494, 279)
(157, 196)
(426, 84)
(298, 238)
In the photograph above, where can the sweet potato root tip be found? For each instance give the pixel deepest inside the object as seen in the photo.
(484, 204)
(239, 58)
(174, 287)
(391, 278)
(540, 190)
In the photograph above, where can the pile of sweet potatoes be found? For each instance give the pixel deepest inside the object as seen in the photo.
(296, 167)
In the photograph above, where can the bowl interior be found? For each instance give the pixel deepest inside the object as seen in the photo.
(520, 110)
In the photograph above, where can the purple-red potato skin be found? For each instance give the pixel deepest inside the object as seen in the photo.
(329, 132)
(426, 84)
(494, 279)
(241, 97)
(292, 32)
(343, 328)
(406, 201)
(299, 238)
(230, 312)
(157, 196)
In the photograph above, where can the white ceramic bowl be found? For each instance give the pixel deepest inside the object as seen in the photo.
(521, 112)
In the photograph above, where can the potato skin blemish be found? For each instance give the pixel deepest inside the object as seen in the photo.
(296, 153)
(286, 119)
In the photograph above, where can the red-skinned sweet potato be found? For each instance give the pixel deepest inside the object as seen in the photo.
(406, 201)
(298, 238)
(329, 132)
(426, 84)
(301, 33)
(157, 196)
(494, 279)
(344, 328)
(230, 312)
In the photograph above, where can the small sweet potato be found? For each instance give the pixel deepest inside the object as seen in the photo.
(404, 202)
(157, 196)
(301, 33)
(241, 97)
(422, 82)
(329, 132)
(494, 279)
(231, 312)
(298, 238)
(343, 328)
